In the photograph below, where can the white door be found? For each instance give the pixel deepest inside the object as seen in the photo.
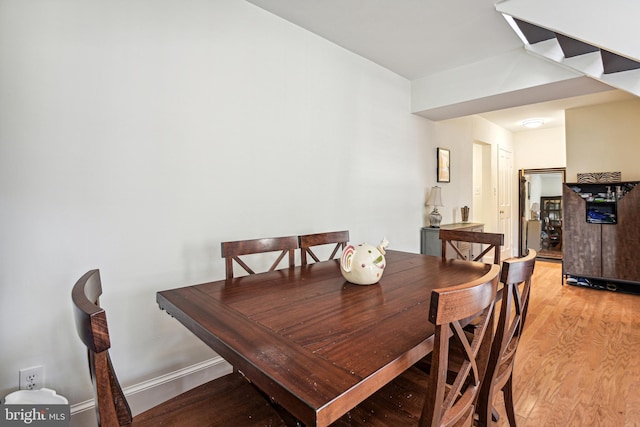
(505, 196)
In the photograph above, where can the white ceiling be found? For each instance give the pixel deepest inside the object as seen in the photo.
(413, 38)
(552, 112)
(417, 38)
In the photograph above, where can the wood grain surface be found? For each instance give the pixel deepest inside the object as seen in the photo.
(578, 363)
(315, 343)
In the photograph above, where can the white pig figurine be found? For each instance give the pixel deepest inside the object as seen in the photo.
(363, 264)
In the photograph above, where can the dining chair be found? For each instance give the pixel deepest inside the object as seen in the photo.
(493, 240)
(231, 251)
(551, 236)
(516, 279)
(415, 398)
(227, 400)
(307, 241)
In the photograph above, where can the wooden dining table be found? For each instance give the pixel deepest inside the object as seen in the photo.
(315, 343)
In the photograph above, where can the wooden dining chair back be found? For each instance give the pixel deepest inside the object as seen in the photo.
(552, 236)
(438, 399)
(494, 241)
(111, 405)
(453, 403)
(516, 278)
(223, 401)
(231, 251)
(337, 238)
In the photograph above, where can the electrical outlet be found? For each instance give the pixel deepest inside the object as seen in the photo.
(32, 378)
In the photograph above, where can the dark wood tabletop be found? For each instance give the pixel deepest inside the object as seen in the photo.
(315, 343)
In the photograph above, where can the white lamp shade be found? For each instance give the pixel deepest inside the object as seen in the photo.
(535, 211)
(435, 197)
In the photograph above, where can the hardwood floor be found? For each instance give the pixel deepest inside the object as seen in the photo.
(551, 254)
(578, 363)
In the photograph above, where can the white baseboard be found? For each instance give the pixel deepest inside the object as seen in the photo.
(149, 393)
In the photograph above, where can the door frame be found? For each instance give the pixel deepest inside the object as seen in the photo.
(505, 193)
(522, 199)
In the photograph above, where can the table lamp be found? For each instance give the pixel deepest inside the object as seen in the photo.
(535, 210)
(435, 199)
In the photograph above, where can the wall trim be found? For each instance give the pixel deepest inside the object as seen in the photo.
(147, 394)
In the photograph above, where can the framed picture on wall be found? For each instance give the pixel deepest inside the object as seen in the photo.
(444, 171)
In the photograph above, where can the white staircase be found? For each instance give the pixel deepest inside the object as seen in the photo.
(603, 63)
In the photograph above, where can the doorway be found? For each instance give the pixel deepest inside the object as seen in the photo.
(540, 211)
(505, 201)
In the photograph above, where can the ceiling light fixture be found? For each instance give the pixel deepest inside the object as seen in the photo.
(532, 123)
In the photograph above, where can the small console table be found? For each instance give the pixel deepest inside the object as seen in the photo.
(430, 243)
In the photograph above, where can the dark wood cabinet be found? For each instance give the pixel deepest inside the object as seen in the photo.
(621, 242)
(607, 251)
(582, 241)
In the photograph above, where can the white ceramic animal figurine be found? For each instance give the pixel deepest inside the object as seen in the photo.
(363, 264)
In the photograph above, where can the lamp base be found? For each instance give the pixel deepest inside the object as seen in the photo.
(435, 218)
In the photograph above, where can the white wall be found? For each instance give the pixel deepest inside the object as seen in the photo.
(604, 138)
(551, 185)
(459, 135)
(540, 148)
(136, 136)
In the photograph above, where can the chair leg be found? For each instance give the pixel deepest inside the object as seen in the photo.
(484, 407)
(508, 401)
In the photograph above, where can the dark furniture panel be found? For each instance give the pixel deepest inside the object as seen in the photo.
(607, 251)
(621, 242)
(581, 241)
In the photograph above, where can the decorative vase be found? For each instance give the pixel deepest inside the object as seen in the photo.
(363, 264)
(465, 213)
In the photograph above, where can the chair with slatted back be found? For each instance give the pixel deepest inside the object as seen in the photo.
(228, 400)
(551, 235)
(307, 241)
(516, 278)
(232, 251)
(493, 240)
(417, 399)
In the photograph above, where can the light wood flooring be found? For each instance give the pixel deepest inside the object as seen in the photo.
(578, 363)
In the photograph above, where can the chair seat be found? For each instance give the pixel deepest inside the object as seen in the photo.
(226, 401)
(398, 403)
